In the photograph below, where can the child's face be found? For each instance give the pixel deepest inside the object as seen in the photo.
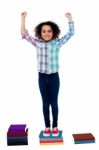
(46, 32)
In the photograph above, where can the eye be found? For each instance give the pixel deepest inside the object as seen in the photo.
(43, 31)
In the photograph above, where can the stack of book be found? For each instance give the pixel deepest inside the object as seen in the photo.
(50, 140)
(83, 138)
(17, 134)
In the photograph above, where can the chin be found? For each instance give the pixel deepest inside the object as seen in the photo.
(47, 39)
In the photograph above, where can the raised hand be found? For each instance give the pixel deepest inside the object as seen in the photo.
(68, 16)
(24, 14)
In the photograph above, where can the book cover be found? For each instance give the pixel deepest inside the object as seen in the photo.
(16, 133)
(55, 143)
(17, 128)
(15, 143)
(17, 138)
(84, 142)
(51, 141)
(83, 136)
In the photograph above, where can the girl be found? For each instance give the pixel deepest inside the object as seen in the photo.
(47, 45)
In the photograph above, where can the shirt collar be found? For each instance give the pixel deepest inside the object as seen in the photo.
(41, 40)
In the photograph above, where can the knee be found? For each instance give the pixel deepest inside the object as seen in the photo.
(46, 106)
(54, 105)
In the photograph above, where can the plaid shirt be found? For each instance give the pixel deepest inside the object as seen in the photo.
(48, 52)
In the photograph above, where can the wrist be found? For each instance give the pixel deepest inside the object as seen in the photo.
(23, 18)
(70, 20)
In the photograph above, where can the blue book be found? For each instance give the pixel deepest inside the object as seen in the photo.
(84, 142)
(17, 138)
(41, 136)
(15, 143)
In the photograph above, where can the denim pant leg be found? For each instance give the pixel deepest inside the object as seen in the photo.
(54, 90)
(43, 86)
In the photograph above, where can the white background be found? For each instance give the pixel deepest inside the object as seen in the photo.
(20, 100)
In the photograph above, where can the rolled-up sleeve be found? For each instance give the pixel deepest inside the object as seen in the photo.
(30, 39)
(69, 34)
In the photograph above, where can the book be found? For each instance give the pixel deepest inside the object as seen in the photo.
(17, 128)
(84, 142)
(55, 141)
(83, 138)
(17, 138)
(41, 136)
(15, 143)
(50, 139)
(17, 134)
(10, 134)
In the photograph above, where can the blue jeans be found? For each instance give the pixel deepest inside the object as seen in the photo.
(49, 88)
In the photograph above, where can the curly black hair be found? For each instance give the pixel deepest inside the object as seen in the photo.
(53, 25)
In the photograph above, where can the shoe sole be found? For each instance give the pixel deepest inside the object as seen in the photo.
(55, 134)
(46, 134)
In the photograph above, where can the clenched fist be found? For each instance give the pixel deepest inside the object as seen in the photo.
(69, 16)
(24, 14)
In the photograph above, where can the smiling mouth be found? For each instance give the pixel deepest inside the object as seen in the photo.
(47, 36)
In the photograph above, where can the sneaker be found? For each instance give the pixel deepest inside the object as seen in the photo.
(55, 132)
(46, 132)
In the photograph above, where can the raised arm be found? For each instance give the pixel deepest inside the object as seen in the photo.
(69, 17)
(23, 17)
(24, 32)
(70, 32)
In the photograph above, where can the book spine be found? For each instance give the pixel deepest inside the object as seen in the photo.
(17, 133)
(55, 141)
(50, 139)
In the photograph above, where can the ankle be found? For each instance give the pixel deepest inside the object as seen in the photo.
(55, 128)
(48, 128)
